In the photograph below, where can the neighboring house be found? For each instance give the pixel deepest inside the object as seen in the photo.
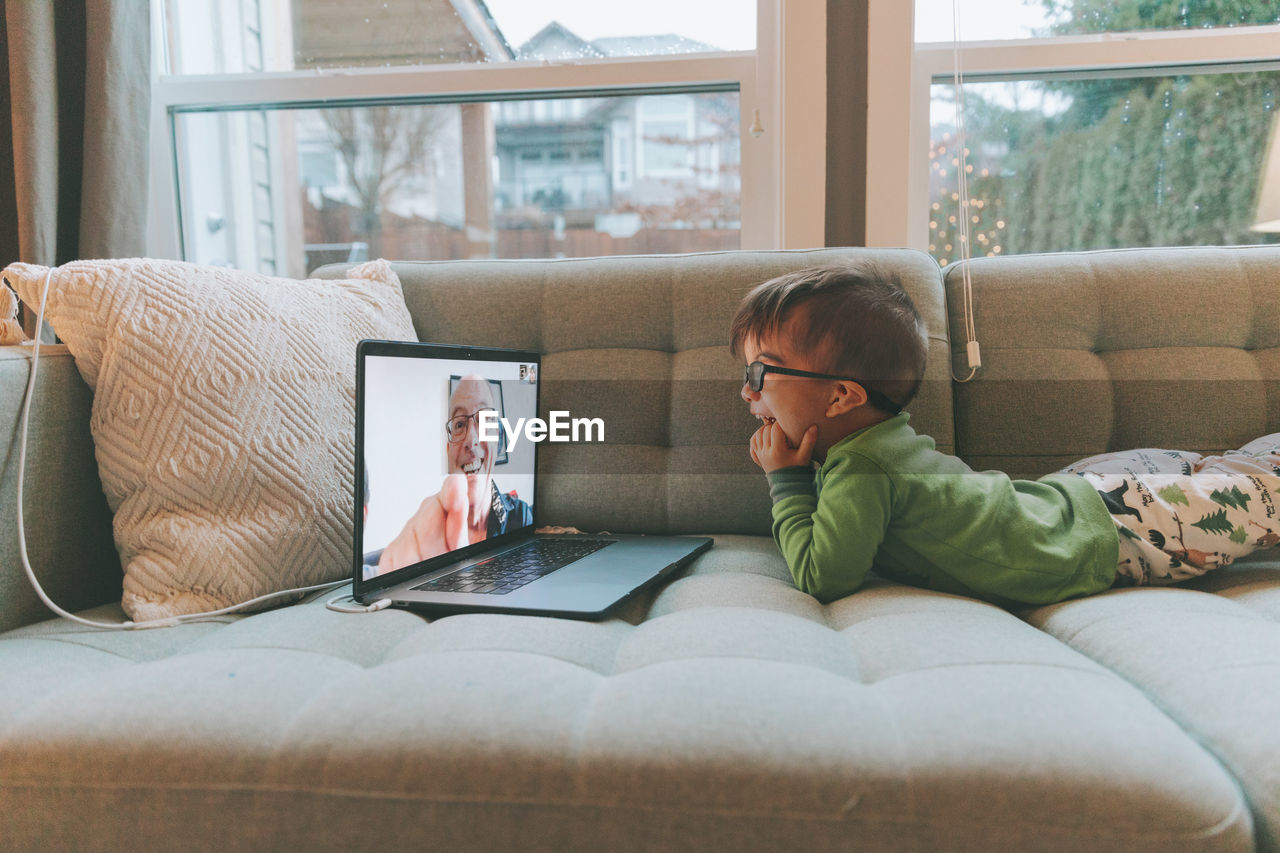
(414, 163)
(245, 173)
(589, 157)
(554, 43)
(281, 190)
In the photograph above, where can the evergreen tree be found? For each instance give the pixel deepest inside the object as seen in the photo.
(1235, 498)
(1149, 161)
(1097, 16)
(1214, 523)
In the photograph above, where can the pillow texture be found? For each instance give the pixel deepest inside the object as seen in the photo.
(223, 418)
(10, 329)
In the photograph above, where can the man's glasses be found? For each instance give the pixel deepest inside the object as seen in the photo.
(456, 428)
(756, 370)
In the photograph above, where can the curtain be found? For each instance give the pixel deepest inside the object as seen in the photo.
(75, 84)
(846, 218)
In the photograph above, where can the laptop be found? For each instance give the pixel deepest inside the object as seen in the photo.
(447, 495)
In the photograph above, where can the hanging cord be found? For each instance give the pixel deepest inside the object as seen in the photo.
(22, 534)
(972, 351)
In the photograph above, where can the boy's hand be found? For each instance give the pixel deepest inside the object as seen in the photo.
(771, 450)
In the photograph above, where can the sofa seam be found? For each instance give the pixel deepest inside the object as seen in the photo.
(1101, 671)
(62, 641)
(839, 816)
(658, 256)
(1119, 251)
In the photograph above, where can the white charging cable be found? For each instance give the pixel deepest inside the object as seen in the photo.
(22, 535)
(972, 351)
(380, 604)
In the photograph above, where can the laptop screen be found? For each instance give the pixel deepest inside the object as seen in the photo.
(440, 472)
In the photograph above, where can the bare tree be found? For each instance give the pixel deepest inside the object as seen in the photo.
(382, 149)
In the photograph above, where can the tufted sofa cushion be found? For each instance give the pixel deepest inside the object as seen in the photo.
(728, 709)
(1180, 348)
(1208, 654)
(1088, 352)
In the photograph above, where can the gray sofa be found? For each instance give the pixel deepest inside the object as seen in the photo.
(725, 709)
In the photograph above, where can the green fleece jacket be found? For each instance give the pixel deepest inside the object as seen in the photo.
(884, 497)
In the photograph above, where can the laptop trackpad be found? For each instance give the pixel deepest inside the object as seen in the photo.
(625, 563)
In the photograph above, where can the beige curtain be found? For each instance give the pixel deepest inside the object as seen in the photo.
(73, 129)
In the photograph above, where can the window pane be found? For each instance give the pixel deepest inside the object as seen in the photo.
(1092, 164)
(216, 37)
(986, 20)
(285, 190)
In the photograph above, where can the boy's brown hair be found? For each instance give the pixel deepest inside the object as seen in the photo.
(859, 322)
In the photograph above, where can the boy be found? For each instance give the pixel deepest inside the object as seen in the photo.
(833, 354)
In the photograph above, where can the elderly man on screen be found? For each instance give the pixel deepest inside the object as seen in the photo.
(468, 508)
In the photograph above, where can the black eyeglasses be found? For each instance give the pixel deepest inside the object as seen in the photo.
(754, 379)
(456, 428)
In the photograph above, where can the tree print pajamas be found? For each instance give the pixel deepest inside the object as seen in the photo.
(1181, 514)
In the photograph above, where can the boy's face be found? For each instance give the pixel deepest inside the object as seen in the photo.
(794, 402)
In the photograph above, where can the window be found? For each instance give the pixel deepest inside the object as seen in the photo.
(297, 130)
(666, 134)
(1070, 164)
(1088, 124)
(990, 20)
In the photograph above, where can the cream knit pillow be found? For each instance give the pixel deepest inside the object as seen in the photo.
(223, 418)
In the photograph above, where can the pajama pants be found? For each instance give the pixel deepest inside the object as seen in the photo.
(1181, 514)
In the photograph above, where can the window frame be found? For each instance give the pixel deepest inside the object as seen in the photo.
(783, 168)
(898, 128)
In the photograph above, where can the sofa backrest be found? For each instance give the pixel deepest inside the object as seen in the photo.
(1089, 352)
(66, 518)
(642, 342)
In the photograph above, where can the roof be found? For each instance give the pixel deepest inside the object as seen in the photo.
(399, 32)
(556, 41)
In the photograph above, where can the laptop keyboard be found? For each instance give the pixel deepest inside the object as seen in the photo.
(512, 569)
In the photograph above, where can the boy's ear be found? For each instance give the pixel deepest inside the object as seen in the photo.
(847, 396)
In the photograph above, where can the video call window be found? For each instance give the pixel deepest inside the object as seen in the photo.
(433, 484)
